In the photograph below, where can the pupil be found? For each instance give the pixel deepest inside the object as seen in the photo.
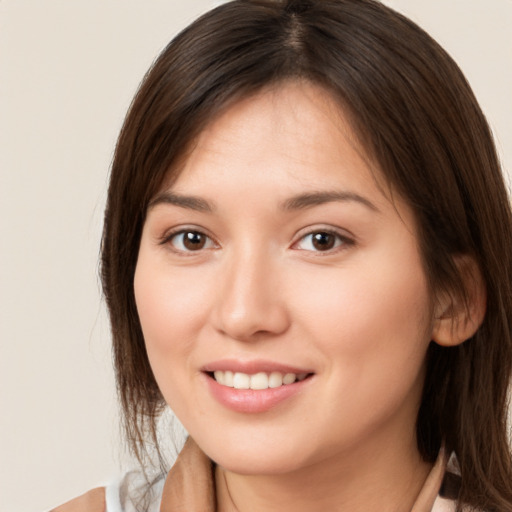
(193, 240)
(323, 241)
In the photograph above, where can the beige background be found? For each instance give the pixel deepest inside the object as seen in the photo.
(68, 69)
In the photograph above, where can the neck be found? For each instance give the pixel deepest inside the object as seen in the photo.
(360, 480)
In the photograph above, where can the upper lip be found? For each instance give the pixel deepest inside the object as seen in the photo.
(252, 367)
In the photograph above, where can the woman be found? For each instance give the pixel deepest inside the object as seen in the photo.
(301, 260)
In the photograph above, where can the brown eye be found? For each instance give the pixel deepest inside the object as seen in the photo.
(188, 241)
(323, 241)
(193, 240)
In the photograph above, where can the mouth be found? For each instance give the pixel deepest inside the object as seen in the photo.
(256, 381)
(256, 386)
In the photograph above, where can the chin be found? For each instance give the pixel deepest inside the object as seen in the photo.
(270, 456)
(258, 463)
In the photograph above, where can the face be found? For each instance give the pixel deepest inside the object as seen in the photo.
(281, 294)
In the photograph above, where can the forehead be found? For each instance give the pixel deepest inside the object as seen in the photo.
(292, 135)
(298, 126)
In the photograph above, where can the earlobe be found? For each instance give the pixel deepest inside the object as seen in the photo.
(457, 318)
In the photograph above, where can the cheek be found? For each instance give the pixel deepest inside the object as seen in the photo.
(372, 330)
(169, 304)
(171, 308)
(371, 318)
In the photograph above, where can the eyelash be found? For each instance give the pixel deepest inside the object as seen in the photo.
(341, 241)
(167, 239)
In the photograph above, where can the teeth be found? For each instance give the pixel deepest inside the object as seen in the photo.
(257, 381)
(289, 378)
(228, 379)
(241, 381)
(275, 380)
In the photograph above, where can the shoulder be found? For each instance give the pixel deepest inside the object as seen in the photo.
(189, 485)
(130, 493)
(91, 501)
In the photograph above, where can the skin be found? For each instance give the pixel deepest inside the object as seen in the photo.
(359, 316)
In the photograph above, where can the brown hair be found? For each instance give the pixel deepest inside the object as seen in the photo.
(416, 116)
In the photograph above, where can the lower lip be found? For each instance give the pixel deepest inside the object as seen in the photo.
(251, 400)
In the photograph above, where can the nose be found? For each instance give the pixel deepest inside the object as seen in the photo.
(250, 304)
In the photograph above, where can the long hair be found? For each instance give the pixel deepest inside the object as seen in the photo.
(415, 115)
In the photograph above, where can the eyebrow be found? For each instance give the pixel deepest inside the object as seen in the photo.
(298, 202)
(189, 202)
(309, 200)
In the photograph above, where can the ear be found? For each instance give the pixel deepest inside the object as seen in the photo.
(457, 319)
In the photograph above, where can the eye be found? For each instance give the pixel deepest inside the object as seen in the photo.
(322, 241)
(189, 241)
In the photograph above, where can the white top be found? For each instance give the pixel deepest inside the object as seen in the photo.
(119, 496)
(190, 484)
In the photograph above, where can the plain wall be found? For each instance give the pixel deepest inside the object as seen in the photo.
(68, 70)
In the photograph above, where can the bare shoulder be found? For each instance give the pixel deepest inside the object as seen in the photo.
(91, 501)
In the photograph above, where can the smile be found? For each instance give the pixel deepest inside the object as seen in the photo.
(257, 381)
(254, 387)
